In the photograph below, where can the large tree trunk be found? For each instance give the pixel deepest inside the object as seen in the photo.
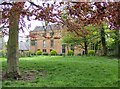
(12, 55)
(103, 41)
(67, 48)
(117, 40)
(117, 44)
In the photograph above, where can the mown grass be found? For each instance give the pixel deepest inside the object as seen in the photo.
(70, 71)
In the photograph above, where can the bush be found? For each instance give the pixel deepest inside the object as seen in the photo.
(70, 53)
(91, 52)
(53, 52)
(39, 52)
(45, 53)
(28, 53)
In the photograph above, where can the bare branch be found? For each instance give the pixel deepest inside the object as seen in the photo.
(6, 3)
(3, 26)
(35, 5)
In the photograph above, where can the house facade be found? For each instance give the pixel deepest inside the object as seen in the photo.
(50, 38)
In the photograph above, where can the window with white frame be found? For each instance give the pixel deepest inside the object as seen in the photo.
(44, 43)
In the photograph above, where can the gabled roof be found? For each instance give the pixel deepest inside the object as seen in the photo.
(48, 28)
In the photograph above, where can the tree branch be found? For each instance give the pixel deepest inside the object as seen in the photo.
(6, 3)
(35, 5)
(3, 26)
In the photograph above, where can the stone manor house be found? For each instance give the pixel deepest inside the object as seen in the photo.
(50, 38)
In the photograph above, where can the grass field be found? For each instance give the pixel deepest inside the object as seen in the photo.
(58, 71)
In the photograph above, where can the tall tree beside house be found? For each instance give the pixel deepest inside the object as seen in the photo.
(117, 43)
(103, 40)
(83, 41)
(70, 39)
(109, 12)
(80, 14)
(117, 22)
(74, 19)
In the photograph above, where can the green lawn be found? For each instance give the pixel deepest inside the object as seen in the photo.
(58, 71)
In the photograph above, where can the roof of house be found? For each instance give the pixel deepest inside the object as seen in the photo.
(24, 46)
(48, 28)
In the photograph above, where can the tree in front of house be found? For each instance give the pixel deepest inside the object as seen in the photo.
(85, 41)
(13, 14)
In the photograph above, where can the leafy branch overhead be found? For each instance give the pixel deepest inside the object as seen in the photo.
(75, 15)
(31, 11)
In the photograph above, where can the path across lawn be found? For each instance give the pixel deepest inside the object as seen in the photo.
(70, 71)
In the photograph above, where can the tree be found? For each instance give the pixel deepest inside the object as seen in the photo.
(109, 12)
(75, 18)
(117, 43)
(12, 54)
(82, 41)
(69, 38)
(80, 14)
(103, 40)
(13, 14)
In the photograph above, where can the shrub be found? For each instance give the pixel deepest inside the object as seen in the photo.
(53, 52)
(39, 52)
(45, 53)
(28, 53)
(70, 53)
(91, 52)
